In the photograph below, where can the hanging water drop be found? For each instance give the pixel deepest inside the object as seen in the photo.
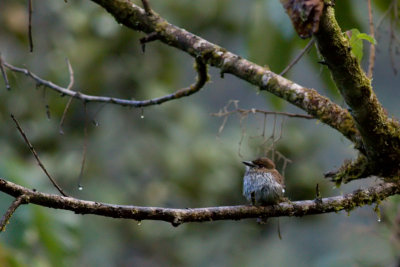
(377, 211)
(80, 188)
(141, 114)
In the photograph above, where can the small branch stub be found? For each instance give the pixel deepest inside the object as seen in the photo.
(22, 199)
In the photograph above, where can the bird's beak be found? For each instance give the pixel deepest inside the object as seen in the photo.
(249, 163)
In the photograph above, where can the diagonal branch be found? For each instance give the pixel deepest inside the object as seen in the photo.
(32, 149)
(380, 135)
(202, 78)
(134, 17)
(178, 216)
(21, 199)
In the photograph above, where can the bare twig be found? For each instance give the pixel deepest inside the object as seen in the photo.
(298, 57)
(202, 78)
(378, 25)
(3, 72)
(21, 199)
(286, 161)
(30, 26)
(69, 87)
(178, 216)
(223, 113)
(61, 131)
(391, 45)
(71, 75)
(37, 157)
(371, 60)
(147, 39)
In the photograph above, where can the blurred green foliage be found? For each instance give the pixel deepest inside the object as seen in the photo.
(173, 157)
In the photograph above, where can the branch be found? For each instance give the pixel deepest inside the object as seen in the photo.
(178, 216)
(298, 57)
(30, 26)
(371, 60)
(146, 6)
(223, 113)
(350, 170)
(10, 211)
(380, 135)
(4, 74)
(202, 78)
(134, 17)
(32, 149)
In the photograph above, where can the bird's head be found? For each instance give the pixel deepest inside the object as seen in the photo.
(262, 162)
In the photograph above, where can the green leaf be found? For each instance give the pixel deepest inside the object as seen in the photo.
(356, 44)
(367, 37)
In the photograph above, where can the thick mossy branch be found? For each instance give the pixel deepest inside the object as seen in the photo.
(134, 17)
(380, 135)
(178, 216)
(350, 170)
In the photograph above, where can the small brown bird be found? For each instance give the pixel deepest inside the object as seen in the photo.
(262, 183)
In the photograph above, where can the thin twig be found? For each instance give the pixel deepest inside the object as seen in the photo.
(371, 60)
(147, 39)
(378, 25)
(61, 131)
(71, 75)
(298, 57)
(254, 110)
(202, 78)
(10, 211)
(46, 105)
(391, 48)
(30, 26)
(37, 157)
(3, 72)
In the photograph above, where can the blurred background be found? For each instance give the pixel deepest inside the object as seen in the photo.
(174, 155)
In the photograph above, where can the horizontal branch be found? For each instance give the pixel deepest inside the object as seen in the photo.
(134, 17)
(202, 78)
(178, 216)
(223, 113)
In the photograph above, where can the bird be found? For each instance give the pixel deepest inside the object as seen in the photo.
(262, 183)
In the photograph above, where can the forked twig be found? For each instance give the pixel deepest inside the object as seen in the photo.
(202, 78)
